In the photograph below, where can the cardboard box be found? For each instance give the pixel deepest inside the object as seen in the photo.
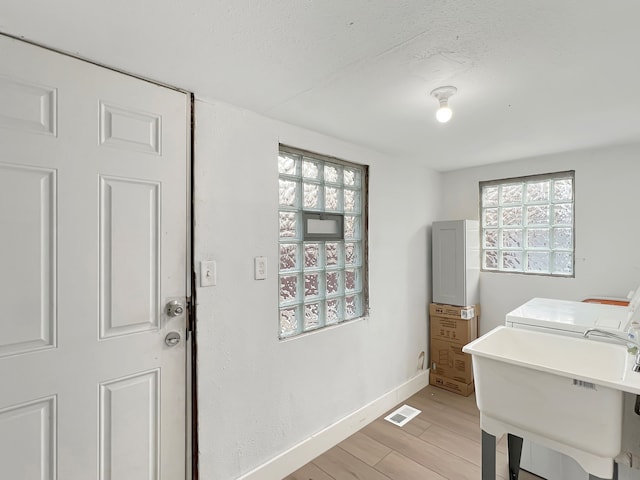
(454, 386)
(448, 360)
(452, 311)
(453, 330)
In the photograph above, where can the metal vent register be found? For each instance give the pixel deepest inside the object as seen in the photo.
(402, 415)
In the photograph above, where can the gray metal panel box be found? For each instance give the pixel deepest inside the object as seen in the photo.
(456, 262)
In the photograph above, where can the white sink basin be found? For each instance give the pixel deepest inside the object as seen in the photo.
(554, 390)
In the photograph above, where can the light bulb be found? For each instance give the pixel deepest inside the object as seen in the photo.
(444, 114)
(442, 94)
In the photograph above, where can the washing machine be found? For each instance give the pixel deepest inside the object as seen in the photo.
(566, 317)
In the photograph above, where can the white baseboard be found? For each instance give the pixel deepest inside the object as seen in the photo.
(294, 458)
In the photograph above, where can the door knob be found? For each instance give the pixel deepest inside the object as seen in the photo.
(172, 339)
(175, 308)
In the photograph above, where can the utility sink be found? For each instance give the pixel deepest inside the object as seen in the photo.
(558, 391)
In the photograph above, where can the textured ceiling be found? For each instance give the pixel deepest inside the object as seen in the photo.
(533, 77)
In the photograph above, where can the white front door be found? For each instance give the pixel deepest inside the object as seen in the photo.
(93, 245)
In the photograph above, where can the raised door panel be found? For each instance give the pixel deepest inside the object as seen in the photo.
(129, 428)
(28, 258)
(28, 441)
(129, 256)
(28, 107)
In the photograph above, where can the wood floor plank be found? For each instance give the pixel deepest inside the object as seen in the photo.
(417, 426)
(443, 442)
(461, 403)
(309, 472)
(399, 467)
(449, 417)
(365, 448)
(453, 443)
(341, 465)
(440, 461)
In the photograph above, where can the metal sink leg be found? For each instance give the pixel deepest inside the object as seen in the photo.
(514, 444)
(488, 456)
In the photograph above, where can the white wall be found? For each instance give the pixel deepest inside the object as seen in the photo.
(606, 223)
(259, 396)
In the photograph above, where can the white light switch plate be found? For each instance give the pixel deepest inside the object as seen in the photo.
(260, 268)
(208, 274)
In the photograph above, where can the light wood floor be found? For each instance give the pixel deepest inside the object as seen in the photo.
(443, 442)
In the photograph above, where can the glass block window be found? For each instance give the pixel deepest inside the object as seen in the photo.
(528, 224)
(322, 276)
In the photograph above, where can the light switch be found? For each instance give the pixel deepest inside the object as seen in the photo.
(260, 268)
(208, 274)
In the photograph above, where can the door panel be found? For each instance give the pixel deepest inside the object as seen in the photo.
(27, 206)
(94, 222)
(130, 421)
(27, 107)
(129, 228)
(27, 440)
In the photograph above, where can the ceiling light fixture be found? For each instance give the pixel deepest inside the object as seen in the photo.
(444, 113)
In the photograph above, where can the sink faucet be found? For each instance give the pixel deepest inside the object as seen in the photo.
(622, 339)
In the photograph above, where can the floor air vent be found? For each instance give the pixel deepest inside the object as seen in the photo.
(401, 416)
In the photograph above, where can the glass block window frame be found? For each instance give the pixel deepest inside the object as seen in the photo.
(528, 224)
(321, 282)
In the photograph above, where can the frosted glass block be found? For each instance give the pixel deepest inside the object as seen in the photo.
(332, 174)
(352, 177)
(563, 263)
(288, 225)
(288, 256)
(490, 259)
(490, 238)
(334, 283)
(538, 215)
(288, 193)
(287, 164)
(310, 168)
(351, 254)
(352, 306)
(563, 238)
(332, 199)
(512, 216)
(511, 194)
(512, 261)
(351, 227)
(563, 214)
(311, 255)
(311, 197)
(512, 238)
(334, 311)
(538, 191)
(538, 238)
(288, 322)
(538, 262)
(288, 288)
(311, 285)
(490, 217)
(490, 196)
(563, 190)
(311, 316)
(351, 280)
(351, 200)
(332, 254)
